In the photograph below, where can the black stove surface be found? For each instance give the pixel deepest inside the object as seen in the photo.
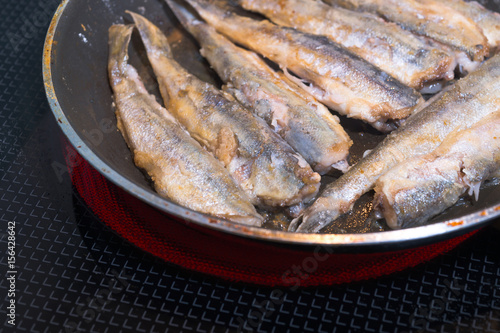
(70, 273)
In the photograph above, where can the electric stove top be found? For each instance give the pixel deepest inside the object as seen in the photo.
(64, 270)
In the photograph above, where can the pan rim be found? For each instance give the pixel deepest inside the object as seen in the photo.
(439, 230)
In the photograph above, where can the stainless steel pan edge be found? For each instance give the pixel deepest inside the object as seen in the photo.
(351, 242)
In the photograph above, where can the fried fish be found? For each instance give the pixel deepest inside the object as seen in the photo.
(412, 192)
(180, 168)
(487, 20)
(305, 124)
(386, 45)
(432, 19)
(334, 76)
(468, 101)
(266, 167)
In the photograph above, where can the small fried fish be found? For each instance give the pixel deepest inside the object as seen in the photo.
(386, 45)
(465, 103)
(265, 166)
(335, 76)
(486, 19)
(305, 124)
(180, 168)
(432, 19)
(412, 192)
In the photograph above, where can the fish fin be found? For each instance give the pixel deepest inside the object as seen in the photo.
(342, 166)
(474, 189)
(313, 91)
(295, 224)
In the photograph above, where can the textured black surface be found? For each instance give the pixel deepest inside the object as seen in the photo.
(73, 274)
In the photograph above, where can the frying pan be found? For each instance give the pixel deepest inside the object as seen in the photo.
(75, 77)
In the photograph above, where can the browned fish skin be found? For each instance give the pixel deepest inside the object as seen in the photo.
(260, 161)
(469, 100)
(394, 50)
(412, 192)
(305, 124)
(338, 78)
(181, 169)
(486, 19)
(428, 18)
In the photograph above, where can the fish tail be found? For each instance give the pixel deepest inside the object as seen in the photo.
(153, 38)
(119, 39)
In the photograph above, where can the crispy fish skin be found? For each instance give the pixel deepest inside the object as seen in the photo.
(305, 124)
(260, 161)
(416, 190)
(181, 169)
(387, 46)
(429, 18)
(469, 100)
(486, 19)
(338, 78)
